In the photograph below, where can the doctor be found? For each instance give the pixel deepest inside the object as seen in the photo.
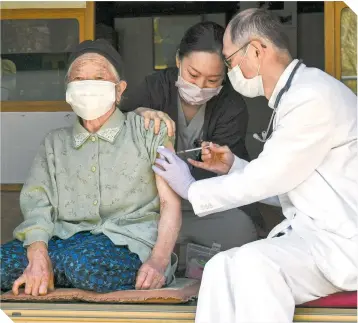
(309, 165)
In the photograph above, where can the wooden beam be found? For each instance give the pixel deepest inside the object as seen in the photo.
(329, 38)
(11, 187)
(90, 18)
(35, 106)
(143, 313)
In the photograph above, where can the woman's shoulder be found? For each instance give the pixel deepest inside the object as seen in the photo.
(165, 76)
(59, 132)
(57, 136)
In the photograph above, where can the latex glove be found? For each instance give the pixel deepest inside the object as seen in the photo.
(175, 172)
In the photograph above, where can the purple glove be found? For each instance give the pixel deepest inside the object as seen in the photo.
(176, 172)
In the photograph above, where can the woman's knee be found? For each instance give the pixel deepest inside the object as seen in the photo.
(100, 272)
(13, 262)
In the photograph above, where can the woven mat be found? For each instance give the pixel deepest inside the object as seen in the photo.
(181, 290)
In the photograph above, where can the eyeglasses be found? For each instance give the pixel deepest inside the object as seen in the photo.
(227, 60)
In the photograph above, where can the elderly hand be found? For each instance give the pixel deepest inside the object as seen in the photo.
(157, 117)
(175, 172)
(216, 159)
(151, 274)
(38, 276)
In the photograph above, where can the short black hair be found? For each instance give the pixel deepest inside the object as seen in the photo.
(205, 36)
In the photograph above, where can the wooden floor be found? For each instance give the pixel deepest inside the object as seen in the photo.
(94, 313)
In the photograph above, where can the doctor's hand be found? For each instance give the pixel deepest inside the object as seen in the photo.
(216, 159)
(157, 117)
(174, 171)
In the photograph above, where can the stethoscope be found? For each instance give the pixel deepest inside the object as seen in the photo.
(287, 86)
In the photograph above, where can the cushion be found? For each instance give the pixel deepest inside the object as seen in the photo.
(338, 300)
(181, 290)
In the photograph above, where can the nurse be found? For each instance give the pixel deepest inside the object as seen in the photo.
(308, 165)
(204, 106)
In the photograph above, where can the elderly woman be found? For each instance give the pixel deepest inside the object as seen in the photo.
(96, 216)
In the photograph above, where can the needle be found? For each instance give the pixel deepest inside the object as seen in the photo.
(189, 150)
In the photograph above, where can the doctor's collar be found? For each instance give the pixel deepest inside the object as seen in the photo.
(282, 82)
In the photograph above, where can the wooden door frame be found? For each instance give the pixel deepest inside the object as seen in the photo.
(332, 35)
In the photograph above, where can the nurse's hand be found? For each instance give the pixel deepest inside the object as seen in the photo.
(216, 159)
(157, 117)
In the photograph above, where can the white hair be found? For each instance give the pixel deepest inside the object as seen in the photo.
(111, 68)
(260, 24)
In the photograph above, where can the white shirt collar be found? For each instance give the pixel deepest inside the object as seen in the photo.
(282, 82)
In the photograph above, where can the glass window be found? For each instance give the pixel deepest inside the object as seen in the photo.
(34, 55)
(349, 48)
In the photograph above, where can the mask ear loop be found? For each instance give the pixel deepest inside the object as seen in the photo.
(258, 69)
(242, 59)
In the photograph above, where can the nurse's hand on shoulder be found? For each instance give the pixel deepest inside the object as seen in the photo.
(216, 159)
(157, 117)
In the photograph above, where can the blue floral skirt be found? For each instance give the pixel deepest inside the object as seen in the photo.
(85, 261)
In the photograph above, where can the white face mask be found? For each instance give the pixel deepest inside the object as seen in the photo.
(91, 99)
(247, 87)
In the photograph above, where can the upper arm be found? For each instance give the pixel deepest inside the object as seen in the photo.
(166, 195)
(38, 195)
(153, 141)
(40, 186)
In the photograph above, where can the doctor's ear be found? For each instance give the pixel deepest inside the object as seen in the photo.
(259, 48)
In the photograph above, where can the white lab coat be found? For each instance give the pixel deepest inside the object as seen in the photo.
(310, 162)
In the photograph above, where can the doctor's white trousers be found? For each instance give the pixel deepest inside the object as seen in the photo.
(260, 282)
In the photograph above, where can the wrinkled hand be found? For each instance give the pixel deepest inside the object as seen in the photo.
(216, 159)
(38, 276)
(157, 117)
(174, 171)
(151, 274)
